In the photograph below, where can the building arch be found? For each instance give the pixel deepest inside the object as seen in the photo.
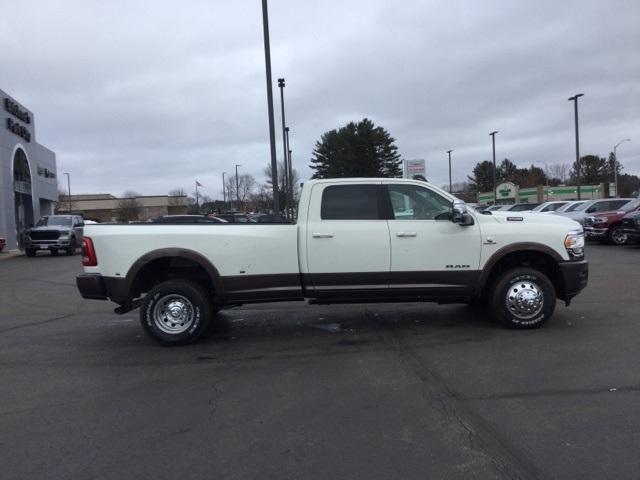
(23, 195)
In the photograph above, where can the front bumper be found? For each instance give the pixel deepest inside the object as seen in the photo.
(595, 232)
(49, 244)
(574, 276)
(96, 287)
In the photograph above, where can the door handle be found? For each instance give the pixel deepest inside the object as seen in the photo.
(322, 235)
(407, 234)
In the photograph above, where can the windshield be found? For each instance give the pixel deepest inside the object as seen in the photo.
(632, 205)
(579, 208)
(573, 206)
(54, 222)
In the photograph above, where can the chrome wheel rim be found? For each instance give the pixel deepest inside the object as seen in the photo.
(619, 237)
(525, 299)
(173, 314)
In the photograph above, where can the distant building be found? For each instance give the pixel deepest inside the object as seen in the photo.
(28, 176)
(104, 207)
(509, 192)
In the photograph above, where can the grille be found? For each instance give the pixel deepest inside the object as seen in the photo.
(44, 235)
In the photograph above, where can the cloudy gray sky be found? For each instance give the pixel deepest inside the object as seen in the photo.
(149, 96)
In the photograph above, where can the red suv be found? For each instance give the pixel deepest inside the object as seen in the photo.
(607, 226)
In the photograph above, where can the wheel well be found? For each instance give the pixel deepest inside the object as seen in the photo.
(526, 258)
(165, 268)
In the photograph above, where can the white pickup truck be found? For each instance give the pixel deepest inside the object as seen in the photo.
(356, 240)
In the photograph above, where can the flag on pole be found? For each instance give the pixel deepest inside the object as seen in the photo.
(198, 183)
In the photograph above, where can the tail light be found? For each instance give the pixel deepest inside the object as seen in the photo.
(89, 258)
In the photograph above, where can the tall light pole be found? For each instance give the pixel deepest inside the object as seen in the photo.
(237, 186)
(69, 189)
(449, 152)
(284, 147)
(224, 191)
(272, 134)
(290, 175)
(615, 165)
(495, 186)
(574, 99)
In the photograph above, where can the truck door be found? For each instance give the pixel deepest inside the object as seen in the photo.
(429, 252)
(347, 239)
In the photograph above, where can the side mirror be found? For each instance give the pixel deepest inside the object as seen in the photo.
(461, 216)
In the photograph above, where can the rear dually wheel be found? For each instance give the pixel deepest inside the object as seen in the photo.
(176, 312)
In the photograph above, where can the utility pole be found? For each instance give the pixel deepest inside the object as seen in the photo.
(69, 190)
(285, 149)
(224, 192)
(449, 152)
(290, 176)
(237, 187)
(574, 99)
(272, 135)
(615, 165)
(495, 186)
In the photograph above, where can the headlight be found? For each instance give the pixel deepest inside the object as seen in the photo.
(600, 219)
(574, 243)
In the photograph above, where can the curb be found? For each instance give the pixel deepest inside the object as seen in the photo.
(10, 254)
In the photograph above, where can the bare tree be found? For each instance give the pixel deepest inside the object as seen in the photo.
(128, 207)
(246, 186)
(559, 171)
(177, 197)
(281, 190)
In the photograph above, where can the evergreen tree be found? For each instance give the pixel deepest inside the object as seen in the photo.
(482, 179)
(356, 150)
(593, 170)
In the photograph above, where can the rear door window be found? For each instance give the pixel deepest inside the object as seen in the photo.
(350, 202)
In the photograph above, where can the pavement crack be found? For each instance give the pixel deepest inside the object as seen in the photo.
(555, 393)
(480, 435)
(33, 324)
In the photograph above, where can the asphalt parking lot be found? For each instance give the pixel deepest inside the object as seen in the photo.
(293, 391)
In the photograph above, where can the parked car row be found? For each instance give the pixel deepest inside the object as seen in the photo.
(609, 226)
(608, 220)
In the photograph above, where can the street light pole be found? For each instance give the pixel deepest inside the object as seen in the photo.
(493, 145)
(285, 148)
(290, 176)
(69, 190)
(272, 134)
(237, 187)
(574, 99)
(615, 165)
(224, 192)
(449, 152)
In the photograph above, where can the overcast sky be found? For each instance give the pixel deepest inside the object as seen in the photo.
(149, 96)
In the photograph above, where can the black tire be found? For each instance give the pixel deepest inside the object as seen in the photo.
(617, 235)
(54, 251)
(71, 250)
(515, 295)
(192, 312)
(30, 252)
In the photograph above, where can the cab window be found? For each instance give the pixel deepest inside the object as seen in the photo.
(350, 202)
(413, 202)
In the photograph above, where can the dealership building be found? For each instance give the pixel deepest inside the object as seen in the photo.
(28, 177)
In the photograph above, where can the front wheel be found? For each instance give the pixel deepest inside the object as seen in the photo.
(176, 312)
(617, 236)
(71, 250)
(30, 252)
(523, 298)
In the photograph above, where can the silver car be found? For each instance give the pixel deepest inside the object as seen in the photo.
(594, 206)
